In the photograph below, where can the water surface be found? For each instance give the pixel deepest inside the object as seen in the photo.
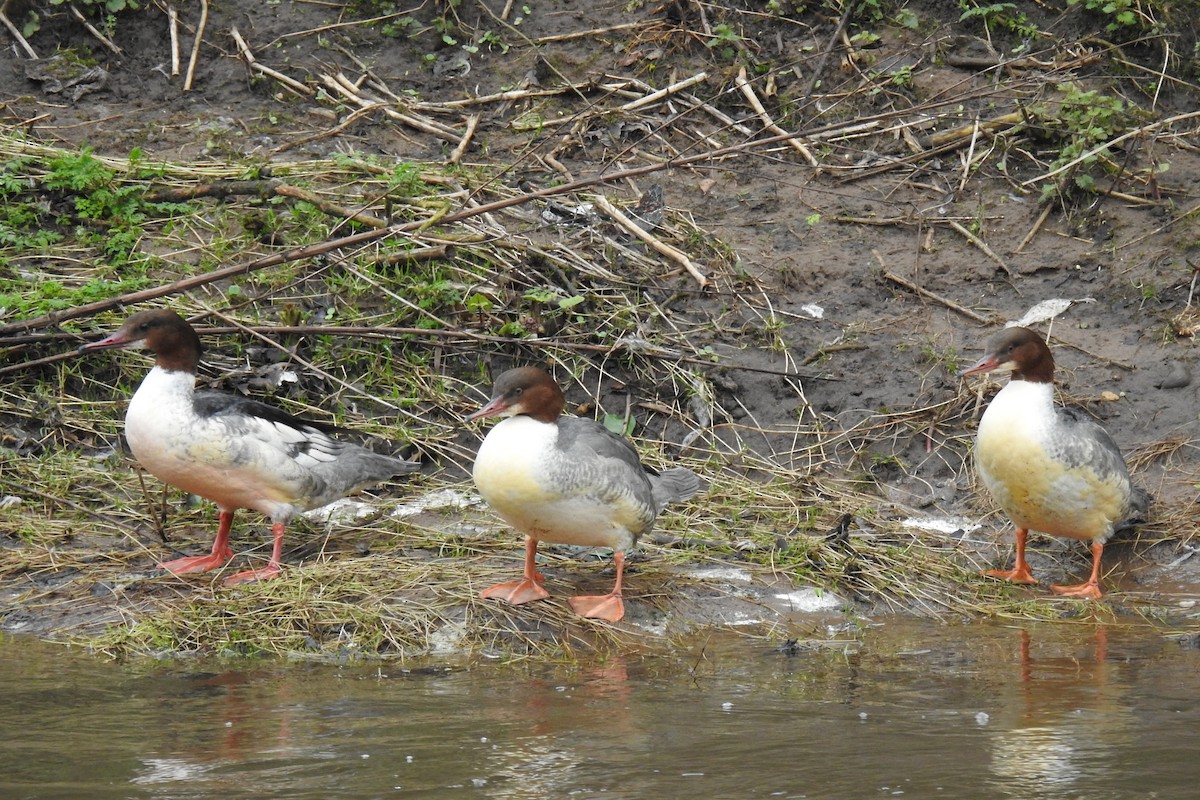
(915, 709)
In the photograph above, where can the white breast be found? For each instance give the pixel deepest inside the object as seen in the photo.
(160, 420)
(529, 482)
(511, 466)
(198, 455)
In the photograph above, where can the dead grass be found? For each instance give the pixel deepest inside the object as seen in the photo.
(392, 292)
(406, 588)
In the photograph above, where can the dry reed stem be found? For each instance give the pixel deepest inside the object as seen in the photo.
(629, 226)
(90, 28)
(190, 76)
(291, 85)
(173, 34)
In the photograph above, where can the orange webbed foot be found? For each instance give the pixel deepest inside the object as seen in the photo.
(608, 607)
(252, 575)
(1014, 575)
(517, 592)
(1089, 589)
(1083, 591)
(194, 564)
(1020, 572)
(218, 557)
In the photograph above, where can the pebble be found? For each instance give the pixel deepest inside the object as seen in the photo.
(1178, 376)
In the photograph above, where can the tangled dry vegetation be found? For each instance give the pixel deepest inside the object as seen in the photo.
(405, 330)
(387, 293)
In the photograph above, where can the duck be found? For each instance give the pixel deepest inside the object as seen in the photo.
(1050, 469)
(566, 480)
(235, 451)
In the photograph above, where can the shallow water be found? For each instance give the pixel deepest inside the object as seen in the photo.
(913, 709)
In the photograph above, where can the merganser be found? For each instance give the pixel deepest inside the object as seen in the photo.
(566, 480)
(1050, 469)
(237, 452)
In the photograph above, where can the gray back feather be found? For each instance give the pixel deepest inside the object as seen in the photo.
(329, 468)
(1099, 449)
(619, 456)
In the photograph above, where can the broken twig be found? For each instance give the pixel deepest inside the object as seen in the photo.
(248, 57)
(937, 298)
(748, 92)
(173, 32)
(982, 245)
(1037, 226)
(100, 37)
(296, 193)
(654, 97)
(678, 256)
(472, 123)
(15, 32)
(191, 70)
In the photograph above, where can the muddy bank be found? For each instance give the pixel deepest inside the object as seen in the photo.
(806, 364)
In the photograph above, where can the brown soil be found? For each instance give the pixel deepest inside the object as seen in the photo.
(903, 296)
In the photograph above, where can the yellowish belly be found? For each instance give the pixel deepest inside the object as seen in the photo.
(1041, 494)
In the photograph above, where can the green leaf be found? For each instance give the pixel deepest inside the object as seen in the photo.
(479, 303)
(619, 425)
(569, 302)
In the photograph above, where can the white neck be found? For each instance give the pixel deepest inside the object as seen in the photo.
(1020, 405)
(163, 396)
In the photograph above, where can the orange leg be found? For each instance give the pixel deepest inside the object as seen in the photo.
(526, 590)
(605, 606)
(217, 558)
(1020, 572)
(1089, 589)
(271, 570)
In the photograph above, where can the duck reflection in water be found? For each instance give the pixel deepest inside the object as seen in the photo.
(1066, 721)
(239, 729)
(566, 726)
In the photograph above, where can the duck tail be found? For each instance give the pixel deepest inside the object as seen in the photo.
(673, 486)
(1139, 503)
